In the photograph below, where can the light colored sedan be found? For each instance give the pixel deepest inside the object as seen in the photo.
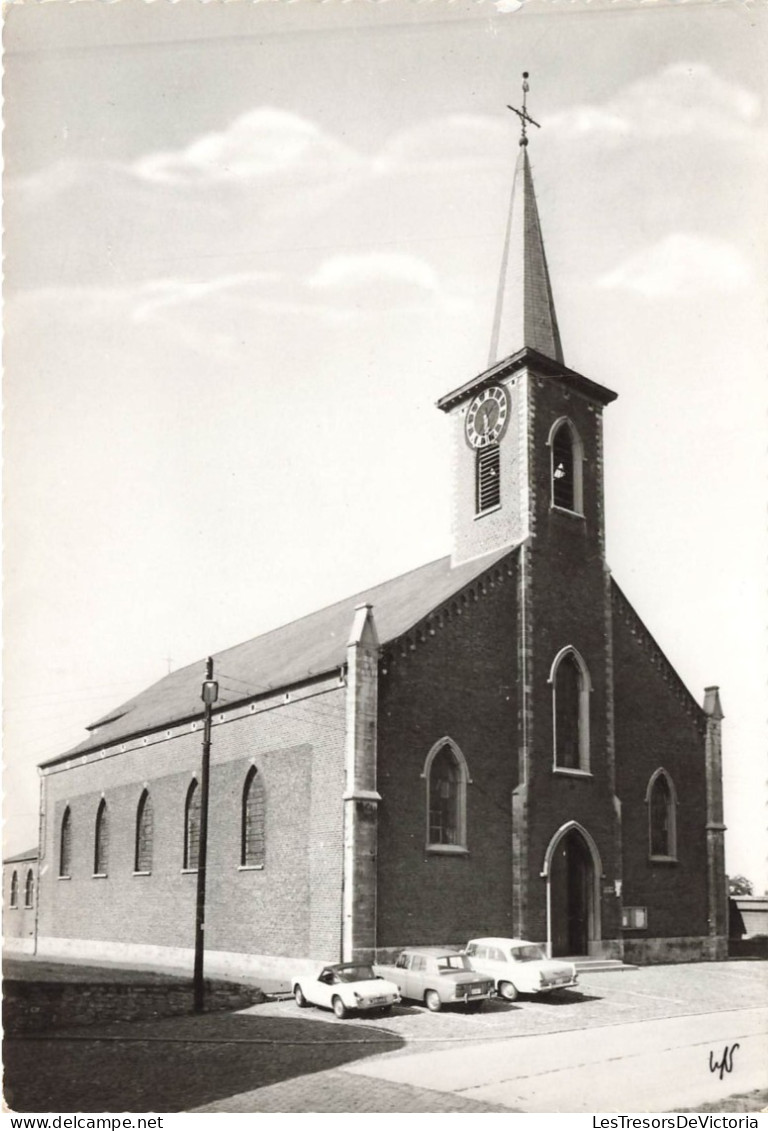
(344, 988)
(518, 966)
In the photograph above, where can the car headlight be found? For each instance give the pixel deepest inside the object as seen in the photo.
(358, 997)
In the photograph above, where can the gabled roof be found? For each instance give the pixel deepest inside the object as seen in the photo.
(22, 857)
(304, 649)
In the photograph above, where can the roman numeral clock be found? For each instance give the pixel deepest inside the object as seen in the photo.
(487, 417)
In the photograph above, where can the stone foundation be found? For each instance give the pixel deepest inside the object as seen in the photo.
(648, 952)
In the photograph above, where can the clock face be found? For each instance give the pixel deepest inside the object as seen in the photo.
(487, 417)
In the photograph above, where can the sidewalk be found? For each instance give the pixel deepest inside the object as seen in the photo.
(340, 1091)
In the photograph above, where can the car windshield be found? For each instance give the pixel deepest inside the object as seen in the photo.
(359, 973)
(453, 962)
(528, 953)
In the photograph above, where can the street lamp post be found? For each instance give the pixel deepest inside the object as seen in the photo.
(209, 695)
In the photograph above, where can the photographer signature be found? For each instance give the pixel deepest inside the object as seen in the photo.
(726, 1064)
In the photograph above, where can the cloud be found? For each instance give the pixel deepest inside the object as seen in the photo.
(454, 139)
(681, 265)
(165, 294)
(680, 100)
(264, 144)
(345, 273)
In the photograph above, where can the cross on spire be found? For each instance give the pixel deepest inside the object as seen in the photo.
(523, 114)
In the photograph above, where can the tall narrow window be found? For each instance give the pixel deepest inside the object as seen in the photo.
(662, 804)
(487, 481)
(446, 775)
(101, 841)
(145, 831)
(65, 844)
(253, 821)
(192, 827)
(14, 901)
(567, 456)
(570, 691)
(562, 469)
(29, 889)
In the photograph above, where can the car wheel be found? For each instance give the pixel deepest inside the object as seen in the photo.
(507, 991)
(339, 1008)
(299, 998)
(432, 1001)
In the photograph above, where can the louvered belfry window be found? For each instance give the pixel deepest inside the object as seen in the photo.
(101, 846)
(253, 821)
(488, 478)
(145, 829)
(192, 827)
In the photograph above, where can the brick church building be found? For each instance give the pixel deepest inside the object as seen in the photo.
(491, 744)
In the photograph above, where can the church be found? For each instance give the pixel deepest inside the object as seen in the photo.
(490, 744)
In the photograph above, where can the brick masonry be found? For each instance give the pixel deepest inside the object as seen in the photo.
(457, 680)
(30, 1007)
(476, 671)
(19, 921)
(290, 906)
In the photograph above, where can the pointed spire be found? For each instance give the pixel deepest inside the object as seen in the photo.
(525, 310)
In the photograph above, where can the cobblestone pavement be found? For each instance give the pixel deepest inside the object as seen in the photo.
(340, 1092)
(606, 998)
(275, 1057)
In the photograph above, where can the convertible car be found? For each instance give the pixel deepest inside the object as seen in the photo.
(345, 988)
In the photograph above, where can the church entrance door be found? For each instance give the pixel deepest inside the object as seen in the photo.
(572, 884)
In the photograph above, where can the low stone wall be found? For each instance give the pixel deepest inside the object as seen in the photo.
(649, 952)
(33, 1006)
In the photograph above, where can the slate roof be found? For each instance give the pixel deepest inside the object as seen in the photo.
(311, 646)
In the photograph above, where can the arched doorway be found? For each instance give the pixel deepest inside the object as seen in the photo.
(572, 870)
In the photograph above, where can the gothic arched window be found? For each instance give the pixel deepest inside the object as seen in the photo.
(14, 900)
(192, 827)
(65, 845)
(446, 776)
(29, 889)
(101, 841)
(145, 834)
(571, 688)
(252, 834)
(662, 826)
(567, 454)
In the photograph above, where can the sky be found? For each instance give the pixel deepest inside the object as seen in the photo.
(248, 246)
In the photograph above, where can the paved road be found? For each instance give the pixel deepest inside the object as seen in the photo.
(644, 1066)
(627, 1042)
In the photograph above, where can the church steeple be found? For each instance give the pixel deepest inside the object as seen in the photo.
(525, 310)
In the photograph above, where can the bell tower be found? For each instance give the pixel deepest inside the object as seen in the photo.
(528, 474)
(507, 480)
